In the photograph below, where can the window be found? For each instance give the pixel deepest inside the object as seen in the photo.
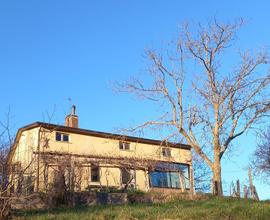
(65, 137)
(28, 183)
(16, 168)
(160, 179)
(166, 152)
(124, 145)
(169, 175)
(58, 136)
(95, 174)
(125, 176)
(61, 137)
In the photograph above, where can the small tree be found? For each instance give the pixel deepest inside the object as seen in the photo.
(261, 161)
(200, 99)
(6, 141)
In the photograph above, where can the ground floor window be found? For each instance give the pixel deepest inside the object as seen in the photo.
(28, 184)
(125, 176)
(95, 177)
(167, 175)
(128, 177)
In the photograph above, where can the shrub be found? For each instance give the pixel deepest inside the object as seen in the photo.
(138, 196)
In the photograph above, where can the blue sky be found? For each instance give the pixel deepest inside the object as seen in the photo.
(52, 51)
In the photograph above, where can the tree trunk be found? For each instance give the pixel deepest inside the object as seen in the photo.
(217, 183)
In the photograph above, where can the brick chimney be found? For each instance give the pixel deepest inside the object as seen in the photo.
(72, 119)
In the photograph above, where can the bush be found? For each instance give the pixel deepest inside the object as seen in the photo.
(5, 208)
(135, 192)
(138, 196)
(110, 189)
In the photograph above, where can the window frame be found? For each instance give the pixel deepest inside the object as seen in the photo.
(125, 171)
(58, 134)
(123, 144)
(98, 174)
(165, 151)
(186, 184)
(62, 135)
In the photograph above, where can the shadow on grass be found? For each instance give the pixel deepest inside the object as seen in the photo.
(76, 209)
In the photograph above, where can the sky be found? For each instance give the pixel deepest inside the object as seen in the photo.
(57, 53)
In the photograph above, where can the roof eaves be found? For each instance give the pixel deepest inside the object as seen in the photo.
(111, 135)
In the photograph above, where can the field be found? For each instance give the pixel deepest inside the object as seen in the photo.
(212, 208)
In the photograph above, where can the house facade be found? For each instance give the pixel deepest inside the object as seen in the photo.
(90, 159)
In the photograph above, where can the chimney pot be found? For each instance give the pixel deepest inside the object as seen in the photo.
(73, 110)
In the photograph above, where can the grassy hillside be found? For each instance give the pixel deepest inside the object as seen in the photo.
(213, 208)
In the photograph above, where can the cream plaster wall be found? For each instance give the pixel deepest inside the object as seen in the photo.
(27, 143)
(90, 145)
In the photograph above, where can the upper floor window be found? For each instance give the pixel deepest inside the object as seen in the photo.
(61, 137)
(124, 145)
(166, 152)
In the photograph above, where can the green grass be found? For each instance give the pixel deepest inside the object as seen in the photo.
(213, 208)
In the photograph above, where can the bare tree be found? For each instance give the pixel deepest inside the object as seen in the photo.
(261, 162)
(6, 141)
(202, 98)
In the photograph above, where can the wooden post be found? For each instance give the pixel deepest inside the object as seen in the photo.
(250, 182)
(232, 189)
(246, 192)
(256, 197)
(238, 189)
(253, 191)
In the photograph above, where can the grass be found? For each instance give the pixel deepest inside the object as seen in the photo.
(212, 208)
